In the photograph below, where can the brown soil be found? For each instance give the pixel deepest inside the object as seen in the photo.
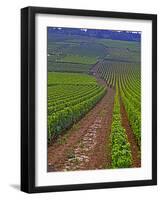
(86, 145)
(136, 160)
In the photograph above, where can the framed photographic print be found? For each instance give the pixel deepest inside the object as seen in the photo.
(88, 99)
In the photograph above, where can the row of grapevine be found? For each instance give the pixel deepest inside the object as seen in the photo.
(132, 105)
(58, 103)
(107, 73)
(129, 83)
(121, 153)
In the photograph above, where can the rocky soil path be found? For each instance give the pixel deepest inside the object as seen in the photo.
(87, 144)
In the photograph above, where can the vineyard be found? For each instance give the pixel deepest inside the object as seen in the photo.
(94, 103)
(127, 76)
(70, 97)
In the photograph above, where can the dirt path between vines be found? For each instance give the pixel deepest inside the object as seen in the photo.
(87, 144)
(136, 160)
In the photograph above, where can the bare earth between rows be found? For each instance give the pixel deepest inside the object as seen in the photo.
(87, 144)
(136, 157)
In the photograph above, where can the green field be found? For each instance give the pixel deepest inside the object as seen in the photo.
(68, 67)
(86, 60)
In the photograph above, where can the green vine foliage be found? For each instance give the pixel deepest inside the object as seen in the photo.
(121, 153)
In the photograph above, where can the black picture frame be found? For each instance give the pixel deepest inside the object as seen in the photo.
(28, 98)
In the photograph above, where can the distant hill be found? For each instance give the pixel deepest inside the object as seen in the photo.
(107, 34)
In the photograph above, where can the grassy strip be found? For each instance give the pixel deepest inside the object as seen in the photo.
(79, 59)
(121, 153)
(68, 67)
(70, 78)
